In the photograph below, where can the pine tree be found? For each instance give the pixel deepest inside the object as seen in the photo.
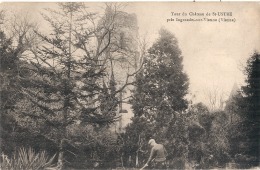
(67, 75)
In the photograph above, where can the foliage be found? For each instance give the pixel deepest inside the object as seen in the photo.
(64, 81)
(135, 141)
(158, 97)
(218, 141)
(246, 107)
(251, 114)
(92, 146)
(63, 94)
(12, 46)
(27, 159)
(208, 137)
(162, 84)
(108, 98)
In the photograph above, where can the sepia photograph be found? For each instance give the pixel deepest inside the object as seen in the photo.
(129, 85)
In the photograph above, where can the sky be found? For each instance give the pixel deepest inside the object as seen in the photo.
(214, 53)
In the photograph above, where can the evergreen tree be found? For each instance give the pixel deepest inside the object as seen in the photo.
(108, 98)
(66, 76)
(135, 141)
(160, 90)
(249, 106)
(162, 82)
(13, 45)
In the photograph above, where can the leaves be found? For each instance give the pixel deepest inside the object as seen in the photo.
(162, 84)
(245, 107)
(27, 159)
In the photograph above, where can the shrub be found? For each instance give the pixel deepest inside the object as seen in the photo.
(26, 159)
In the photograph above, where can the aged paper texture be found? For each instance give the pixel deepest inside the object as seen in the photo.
(129, 85)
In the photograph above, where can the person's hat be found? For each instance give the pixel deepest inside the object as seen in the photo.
(151, 141)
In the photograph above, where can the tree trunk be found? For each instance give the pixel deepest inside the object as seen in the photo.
(122, 161)
(136, 160)
(60, 164)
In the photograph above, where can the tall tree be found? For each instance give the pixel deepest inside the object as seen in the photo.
(67, 74)
(249, 107)
(15, 41)
(160, 90)
(163, 82)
